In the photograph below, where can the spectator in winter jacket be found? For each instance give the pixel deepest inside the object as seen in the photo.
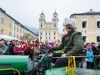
(18, 50)
(3, 48)
(30, 51)
(10, 48)
(94, 48)
(98, 47)
(90, 59)
(98, 59)
(36, 48)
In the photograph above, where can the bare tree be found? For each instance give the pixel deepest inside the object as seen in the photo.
(28, 37)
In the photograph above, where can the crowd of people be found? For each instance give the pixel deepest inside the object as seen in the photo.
(91, 50)
(16, 47)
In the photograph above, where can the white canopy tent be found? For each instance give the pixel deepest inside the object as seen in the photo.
(8, 38)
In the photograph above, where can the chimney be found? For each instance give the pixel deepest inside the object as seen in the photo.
(91, 9)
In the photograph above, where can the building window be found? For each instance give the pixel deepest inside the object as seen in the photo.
(54, 38)
(14, 35)
(54, 24)
(40, 37)
(17, 29)
(41, 20)
(10, 24)
(17, 36)
(98, 38)
(2, 20)
(55, 20)
(46, 37)
(49, 33)
(20, 30)
(54, 33)
(98, 24)
(2, 31)
(10, 33)
(85, 38)
(41, 25)
(14, 28)
(46, 33)
(49, 38)
(40, 33)
(84, 24)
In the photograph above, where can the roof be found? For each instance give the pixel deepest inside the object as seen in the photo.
(87, 13)
(55, 12)
(4, 12)
(42, 14)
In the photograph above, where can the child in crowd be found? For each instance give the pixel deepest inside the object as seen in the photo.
(90, 59)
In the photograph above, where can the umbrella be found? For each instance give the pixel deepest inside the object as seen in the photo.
(8, 38)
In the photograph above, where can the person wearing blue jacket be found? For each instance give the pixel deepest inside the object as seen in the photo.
(90, 59)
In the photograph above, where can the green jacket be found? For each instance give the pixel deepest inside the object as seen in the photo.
(73, 45)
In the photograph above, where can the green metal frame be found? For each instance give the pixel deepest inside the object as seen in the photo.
(14, 61)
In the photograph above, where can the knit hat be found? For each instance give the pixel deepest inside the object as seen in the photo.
(70, 21)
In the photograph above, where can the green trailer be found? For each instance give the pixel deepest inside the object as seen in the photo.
(11, 64)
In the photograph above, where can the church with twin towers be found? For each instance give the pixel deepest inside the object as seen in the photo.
(48, 31)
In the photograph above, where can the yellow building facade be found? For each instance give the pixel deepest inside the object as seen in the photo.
(89, 24)
(9, 26)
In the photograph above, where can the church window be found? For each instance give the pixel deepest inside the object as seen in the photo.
(46, 37)
(54, 37)
(41, 25)
(54, 19)
(41, 20)
(54, 33)
(49, 33)
(49, 38)
(40, 37)
(46, 33)
(41, 33)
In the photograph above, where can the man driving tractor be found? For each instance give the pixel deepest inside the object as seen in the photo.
(72, 43)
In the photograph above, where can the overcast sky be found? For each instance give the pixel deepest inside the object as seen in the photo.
(27, 11)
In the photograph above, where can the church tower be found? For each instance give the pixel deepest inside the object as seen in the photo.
(48, 31)
(42, 18)
(55, 20)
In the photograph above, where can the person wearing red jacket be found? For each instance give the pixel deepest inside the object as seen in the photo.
(18, 49)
